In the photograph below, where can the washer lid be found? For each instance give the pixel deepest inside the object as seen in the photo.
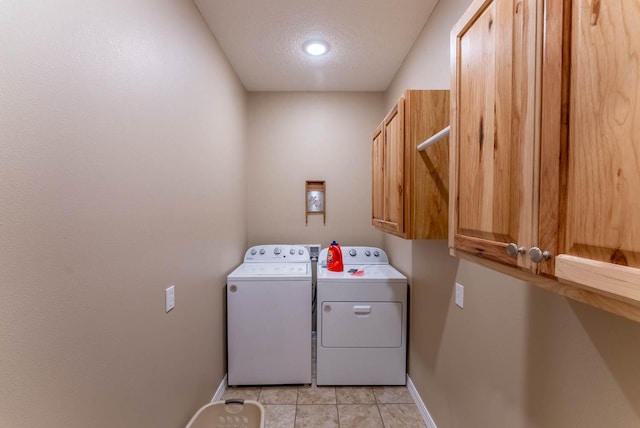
(286, 271)
(361, 273)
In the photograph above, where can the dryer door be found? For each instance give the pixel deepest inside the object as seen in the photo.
(361, 324)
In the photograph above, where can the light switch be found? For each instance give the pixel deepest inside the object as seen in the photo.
(170, 298)
(460, 295)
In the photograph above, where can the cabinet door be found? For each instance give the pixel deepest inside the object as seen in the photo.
(600, 231)
(393, 129)
(377, 174)
(492, 129)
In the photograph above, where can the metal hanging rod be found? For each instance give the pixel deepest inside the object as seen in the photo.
(434, 138)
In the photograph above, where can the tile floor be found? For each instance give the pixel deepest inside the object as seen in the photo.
(312, 406)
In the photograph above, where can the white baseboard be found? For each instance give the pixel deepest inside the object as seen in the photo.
(421, 407)
(221, 388)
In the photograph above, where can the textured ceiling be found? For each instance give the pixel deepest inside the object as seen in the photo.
(263, 41)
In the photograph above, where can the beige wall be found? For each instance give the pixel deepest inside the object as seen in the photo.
(122, 171)
(294, 137)
(515, 356)
(125, 158)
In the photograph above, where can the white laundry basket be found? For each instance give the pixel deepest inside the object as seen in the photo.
(229, 414)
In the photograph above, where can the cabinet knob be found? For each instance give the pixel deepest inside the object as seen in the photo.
(537, 255)
(513, 250)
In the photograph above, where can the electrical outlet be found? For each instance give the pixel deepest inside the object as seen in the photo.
(460, 295)
(314, 251)
(170, 298)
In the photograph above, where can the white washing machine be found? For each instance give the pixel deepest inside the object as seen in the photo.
(361, 320)
(269, 317)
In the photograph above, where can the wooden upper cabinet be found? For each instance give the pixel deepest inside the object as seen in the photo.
(599, 239)
(492, 134)
(545, 144)
(410, 188)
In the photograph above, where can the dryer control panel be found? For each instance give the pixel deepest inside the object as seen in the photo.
(360, 255)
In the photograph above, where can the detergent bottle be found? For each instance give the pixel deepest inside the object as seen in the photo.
(334, 258)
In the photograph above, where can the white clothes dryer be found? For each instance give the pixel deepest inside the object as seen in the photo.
(361, 320)
(269, 317)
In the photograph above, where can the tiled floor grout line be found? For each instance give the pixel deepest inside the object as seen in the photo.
(377, 393)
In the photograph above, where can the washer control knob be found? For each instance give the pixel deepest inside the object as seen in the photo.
(367, 253)
(300, 251)
(292, 251)
(376, 253)
(261, 251)
(352, 252)
(253, 251)
(277, 251)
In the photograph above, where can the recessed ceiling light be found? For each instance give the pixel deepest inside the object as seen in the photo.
(316, 47)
